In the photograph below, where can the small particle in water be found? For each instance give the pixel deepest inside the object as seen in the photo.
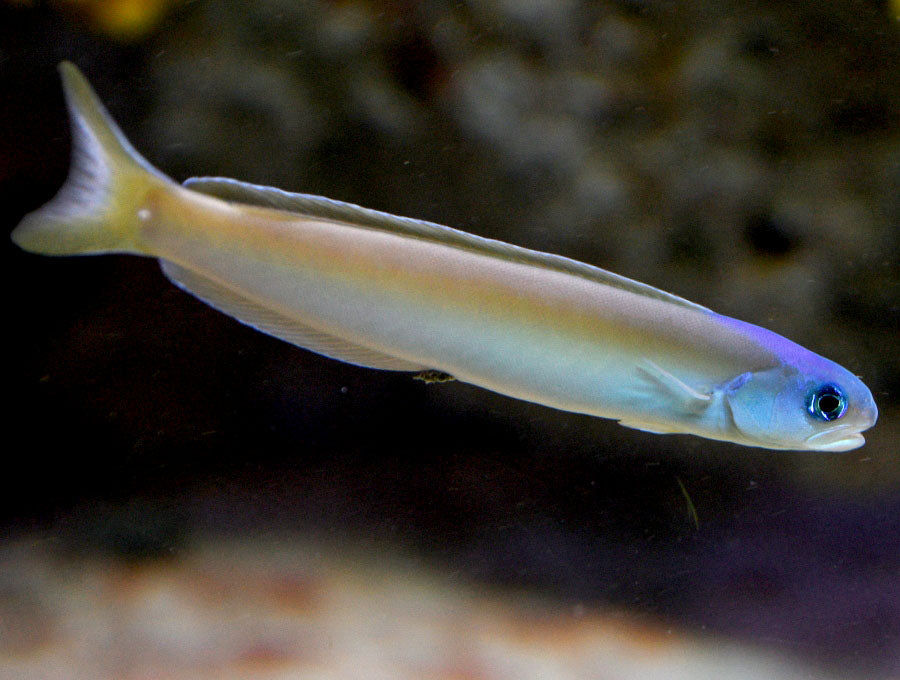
(692, 510)
(432, 376)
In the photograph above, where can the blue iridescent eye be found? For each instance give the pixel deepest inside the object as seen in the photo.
(827, 403)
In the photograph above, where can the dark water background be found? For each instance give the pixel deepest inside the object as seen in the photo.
(745, 155)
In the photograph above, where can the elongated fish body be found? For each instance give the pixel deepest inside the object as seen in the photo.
(536, 333)
(400, 294)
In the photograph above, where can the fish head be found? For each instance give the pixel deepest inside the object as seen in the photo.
(812, 404)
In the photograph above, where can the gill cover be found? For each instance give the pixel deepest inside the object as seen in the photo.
(765, 407)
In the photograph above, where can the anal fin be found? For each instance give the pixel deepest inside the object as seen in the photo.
(272, 322)
(649, 427)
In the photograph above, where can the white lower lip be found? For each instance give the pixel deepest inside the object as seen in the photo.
(830, 433)
(853, 441)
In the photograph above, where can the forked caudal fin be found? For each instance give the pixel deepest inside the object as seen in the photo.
(95, 211)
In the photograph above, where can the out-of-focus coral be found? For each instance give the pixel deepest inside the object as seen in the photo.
(289, 609)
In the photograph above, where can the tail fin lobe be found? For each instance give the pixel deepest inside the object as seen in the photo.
(95, 210)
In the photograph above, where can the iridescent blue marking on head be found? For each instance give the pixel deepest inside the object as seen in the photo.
(802, 401)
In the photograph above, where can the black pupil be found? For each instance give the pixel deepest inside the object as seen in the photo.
(829, 404)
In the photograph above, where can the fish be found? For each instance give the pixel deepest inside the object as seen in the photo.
(401, 294)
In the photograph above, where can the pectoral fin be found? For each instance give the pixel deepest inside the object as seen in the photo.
(688, 399)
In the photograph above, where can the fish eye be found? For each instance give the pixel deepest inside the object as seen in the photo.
(827, 403)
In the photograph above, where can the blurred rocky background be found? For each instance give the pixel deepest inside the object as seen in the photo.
(745, 155)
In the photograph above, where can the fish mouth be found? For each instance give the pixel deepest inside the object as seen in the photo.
(838, 438)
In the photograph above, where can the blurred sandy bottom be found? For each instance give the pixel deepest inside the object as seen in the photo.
(289, 610)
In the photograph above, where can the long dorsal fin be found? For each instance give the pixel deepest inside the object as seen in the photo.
(272, 322)
(317, 206)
